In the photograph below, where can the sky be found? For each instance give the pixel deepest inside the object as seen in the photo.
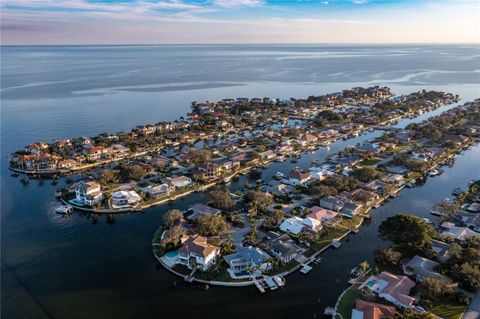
(238, 21)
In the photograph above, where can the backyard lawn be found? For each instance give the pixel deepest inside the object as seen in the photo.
(346, 303)
(449, 309)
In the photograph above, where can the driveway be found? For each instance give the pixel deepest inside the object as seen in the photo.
(473, 310)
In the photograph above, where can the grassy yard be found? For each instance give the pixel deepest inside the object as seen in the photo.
(325, 240)
(346, 303)
(448, 309)
(351, 222)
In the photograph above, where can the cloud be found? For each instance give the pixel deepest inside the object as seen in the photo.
(360, 1)
(238, 3)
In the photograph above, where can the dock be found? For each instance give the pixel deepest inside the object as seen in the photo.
(305, 269)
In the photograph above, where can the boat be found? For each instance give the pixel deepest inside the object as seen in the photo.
(279, 175)
(428, 221)
(279, 280)
(64, 209)
(226, 180)
(434, 172)
(356, 271)
(336, 243)
(437, 213)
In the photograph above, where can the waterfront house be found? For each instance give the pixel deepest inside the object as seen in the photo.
(470, 220)
(332, 203)
(199, 209)
(246, 259)
(360, 196)
(350, 209)
(67, 163)
(125, 198)
(391, 178)
(422, 268)
(94, 153)
(36, 148)
(197, 253)
(37, 161)
(371, 310)
(88, 193)
(457, 233)
(393, 288)
(267, 155)
(322, 214)
(374, 186)
(178, 182)
(280, 189)
(295, 225)
(283, 247)
(117, 150)
(299, 177)
(157, 191)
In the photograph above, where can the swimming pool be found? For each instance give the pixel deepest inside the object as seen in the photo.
(172, 254)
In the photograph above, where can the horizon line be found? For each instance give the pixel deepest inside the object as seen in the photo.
(245, 44)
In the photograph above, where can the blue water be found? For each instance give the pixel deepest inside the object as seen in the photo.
(54, 267)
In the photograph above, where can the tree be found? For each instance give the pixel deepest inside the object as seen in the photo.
(365, 174)
(228, 247)
(211, 225)
(388, 256)
(201, 156)
(221, 200)
(447, 209)
(468, 275)
(320, 191)
(407, 231)
(131, 172)
(172, 238)
(251, 237)
(434, 289)
(171, 217)
(108, 176)
(272, 221)
(258, 199)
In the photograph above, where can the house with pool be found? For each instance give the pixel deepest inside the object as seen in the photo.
(195, 253)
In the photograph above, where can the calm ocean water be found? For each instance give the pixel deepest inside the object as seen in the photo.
(57, 268)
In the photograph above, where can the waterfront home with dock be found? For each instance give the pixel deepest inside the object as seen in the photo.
(393, 288)
(196, 252)
(87, 193)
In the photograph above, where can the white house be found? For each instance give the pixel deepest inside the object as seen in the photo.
(196, 252)
(88, 193)
(125, 198)
(296, 225)
(179, 182)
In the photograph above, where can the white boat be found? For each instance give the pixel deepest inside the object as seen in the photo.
(428, 221)
(279, 175)
(435, 172)
(336, 243)
(279, 280)
(63, 209)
